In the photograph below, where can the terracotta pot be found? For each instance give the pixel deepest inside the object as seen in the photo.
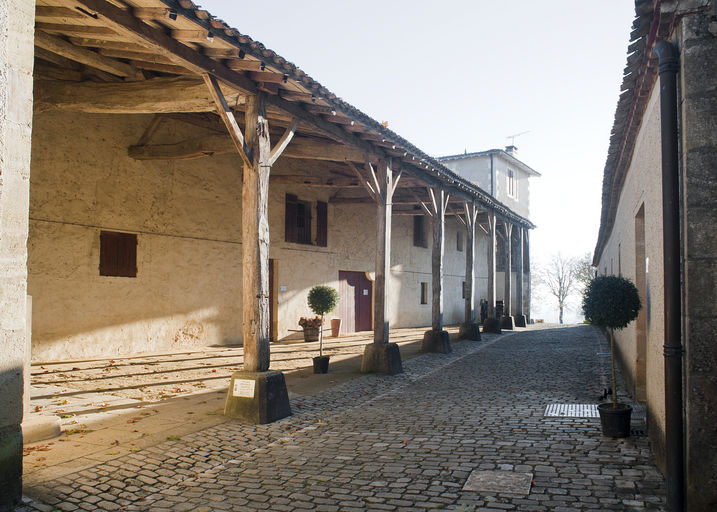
(335, 327)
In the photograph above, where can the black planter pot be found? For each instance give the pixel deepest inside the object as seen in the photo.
(321, 364)
(615, 421)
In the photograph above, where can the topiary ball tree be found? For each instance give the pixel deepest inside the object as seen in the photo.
(322, 300)
(611, 302)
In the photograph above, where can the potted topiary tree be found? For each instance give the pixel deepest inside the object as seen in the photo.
(612, 302)
(322, 300)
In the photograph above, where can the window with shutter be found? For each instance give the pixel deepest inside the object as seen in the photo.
(290, 231)
(118, 254)
(419, 231)
(321, 224)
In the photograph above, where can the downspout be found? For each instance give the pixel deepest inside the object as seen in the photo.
(668, 56)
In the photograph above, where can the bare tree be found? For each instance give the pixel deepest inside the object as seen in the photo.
(560, 278)
(584, 270)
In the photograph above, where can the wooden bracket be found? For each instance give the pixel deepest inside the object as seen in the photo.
(149, 131)
(227, 116)
(363, 181)
(284, 141)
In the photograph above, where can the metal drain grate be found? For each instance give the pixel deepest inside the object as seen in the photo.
(638, 432)
(572, 411)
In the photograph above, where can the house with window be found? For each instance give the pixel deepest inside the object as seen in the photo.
(657, 228)
(187, 186)
(505, 177)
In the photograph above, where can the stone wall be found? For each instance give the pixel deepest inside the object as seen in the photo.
(697, 40)
(186, 215)
(16, 58)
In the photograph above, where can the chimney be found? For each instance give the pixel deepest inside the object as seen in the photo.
(512, 150)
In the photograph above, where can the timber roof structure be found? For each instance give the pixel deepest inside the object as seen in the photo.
(148, 56)
(653, 22)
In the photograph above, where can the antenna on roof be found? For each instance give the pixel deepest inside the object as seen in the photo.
(512, 137)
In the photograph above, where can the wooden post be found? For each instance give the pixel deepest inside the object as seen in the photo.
(439, 217)
(437, 340)
(519, 313)
(382, 356)
(384, 180)
(491, 264)
(470, 330)
(255, 394)
(507, 322)
(255, 237)
(526, 264)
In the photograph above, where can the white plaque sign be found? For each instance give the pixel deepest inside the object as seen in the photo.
(244, 388)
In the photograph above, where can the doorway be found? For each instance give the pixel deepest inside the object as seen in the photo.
(355, 297)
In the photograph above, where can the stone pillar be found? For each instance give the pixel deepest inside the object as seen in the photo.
(520, 320)
(697, 40)
(508, 322)
(16, 61)
(382, 356)
(437, 340)
(470, 330)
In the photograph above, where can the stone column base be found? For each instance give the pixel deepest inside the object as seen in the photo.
(436, 341)
(384, 359)
(507, 323)
(39, 427)
(521, 321)
(257, 397)
(469, 331)
(492, 325)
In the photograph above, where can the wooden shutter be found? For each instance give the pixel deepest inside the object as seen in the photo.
(321, 224)
(418, 231)
(290, 232)
(118, 254)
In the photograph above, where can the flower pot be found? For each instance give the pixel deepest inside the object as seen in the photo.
(615, 421)
(321, 364)
(335, 327)
(311, 333)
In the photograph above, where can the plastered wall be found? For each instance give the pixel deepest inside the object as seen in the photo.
(642, 188)
(16, 57)
(187, 216)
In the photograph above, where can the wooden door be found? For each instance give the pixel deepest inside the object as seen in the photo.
(355, 299)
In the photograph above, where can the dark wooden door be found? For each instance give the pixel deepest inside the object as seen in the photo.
(355, 295)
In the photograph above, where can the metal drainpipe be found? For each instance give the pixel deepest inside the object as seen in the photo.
(668, 56)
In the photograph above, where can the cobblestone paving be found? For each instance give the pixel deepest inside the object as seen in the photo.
(407, 442)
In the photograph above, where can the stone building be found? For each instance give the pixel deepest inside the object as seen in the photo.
(187, 186)
(657, 228)
(507, 178)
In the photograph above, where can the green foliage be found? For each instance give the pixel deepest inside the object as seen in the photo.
(323, 299)
(611, 301)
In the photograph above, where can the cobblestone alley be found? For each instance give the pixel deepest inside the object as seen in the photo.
(408, 442)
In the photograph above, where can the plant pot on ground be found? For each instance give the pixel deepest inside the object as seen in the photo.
(322, 300)
(612, 302)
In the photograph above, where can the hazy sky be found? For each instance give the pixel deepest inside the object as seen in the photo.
(457, 75)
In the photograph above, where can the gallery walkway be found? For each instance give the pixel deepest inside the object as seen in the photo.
(462, 431)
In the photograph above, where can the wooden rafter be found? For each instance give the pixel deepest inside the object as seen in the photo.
(283, 142)
(228, 117)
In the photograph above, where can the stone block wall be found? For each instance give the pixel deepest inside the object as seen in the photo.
(16, 59)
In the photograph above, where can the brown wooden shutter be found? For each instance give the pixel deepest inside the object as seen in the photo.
(118, 254)
(108, 257)
(321, 224)
(290, 232)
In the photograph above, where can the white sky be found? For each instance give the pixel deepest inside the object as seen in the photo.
(459, 75)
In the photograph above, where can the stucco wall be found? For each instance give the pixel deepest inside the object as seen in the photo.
(643, 188)
(16, 58)
(186, 215)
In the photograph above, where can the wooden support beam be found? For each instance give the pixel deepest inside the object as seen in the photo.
(243, 65)
(314, 181)
(151, 13)
(384, 192)
(110, 45)
(471, 212)
(79, 31)
(230, 121)
(491, 264)
(154, 96)
(284, 141)
(82, 55)
(301, 147)
(150, 130)
(440, 199)
(519, 275)
(134, 55)
(363, 181)
(46, 11)
(255, 237)
(507, 305)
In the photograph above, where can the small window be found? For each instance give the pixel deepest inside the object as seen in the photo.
(118, 254)
(303, 222)
(419, 231)
(297, 221)
(512, 185)
(424, 293)
(459, 241)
